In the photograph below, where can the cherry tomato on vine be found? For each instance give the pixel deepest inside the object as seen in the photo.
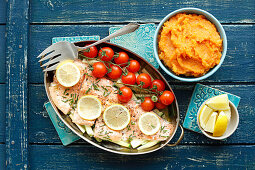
(159, 84)
(122, 58)
(106, 53)
(145, 78)
(134, 66)
(125, 94)
(115, 72)
(160, 105)
(166, 98)
(147, 104)
(130, 78)
(90, 52)
(99, 69)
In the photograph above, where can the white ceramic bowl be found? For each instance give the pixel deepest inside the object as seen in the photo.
(232, 125)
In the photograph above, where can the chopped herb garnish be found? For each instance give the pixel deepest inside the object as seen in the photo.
(162, 128)
(163, 136)
(87, 90)
(105, 88)
(87, 74)
(107, 94)
(95, 87)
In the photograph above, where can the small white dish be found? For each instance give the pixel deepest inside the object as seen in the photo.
(232, 125)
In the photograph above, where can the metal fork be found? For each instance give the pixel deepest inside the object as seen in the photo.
(64, 50)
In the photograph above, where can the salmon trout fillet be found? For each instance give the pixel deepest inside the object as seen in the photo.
(65, 97)
(132, 130)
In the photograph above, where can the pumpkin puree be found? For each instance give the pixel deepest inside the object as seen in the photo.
(190, 45)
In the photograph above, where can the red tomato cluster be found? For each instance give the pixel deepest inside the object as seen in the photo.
(114, 70)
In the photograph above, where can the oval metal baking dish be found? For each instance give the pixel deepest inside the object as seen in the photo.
(173, 113)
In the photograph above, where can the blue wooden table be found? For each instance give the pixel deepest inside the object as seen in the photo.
(28, 139)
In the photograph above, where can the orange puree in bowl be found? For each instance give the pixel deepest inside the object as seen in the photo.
(189, 45)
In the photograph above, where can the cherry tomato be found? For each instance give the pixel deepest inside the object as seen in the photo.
(145, 78)
(130, 78)
(99, 69)
(122, 58)
(159, 84)
(125, 94)
(160, 105)
(91, 52)
(115, 72)
(106, 53)
(147, 104)
(166, 98)
(134, 66)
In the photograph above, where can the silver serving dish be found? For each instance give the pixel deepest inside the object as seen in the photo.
(173, 113)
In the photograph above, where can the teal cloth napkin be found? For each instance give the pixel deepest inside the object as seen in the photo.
(65, 134)
(200, 94)
(140, 41)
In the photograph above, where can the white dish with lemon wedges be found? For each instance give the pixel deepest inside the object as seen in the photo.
(218, 117)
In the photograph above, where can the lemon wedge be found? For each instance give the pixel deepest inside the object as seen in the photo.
(149, 123)
(89, 107)
(220, 125)
(67, 73)
(220, 102)
(204, 115)
(116, 117)
(227, 113)
(209, 127)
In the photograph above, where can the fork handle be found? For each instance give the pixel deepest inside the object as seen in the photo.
(131, 27)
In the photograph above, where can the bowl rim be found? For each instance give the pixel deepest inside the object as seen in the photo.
(231, 131)
(213, 20)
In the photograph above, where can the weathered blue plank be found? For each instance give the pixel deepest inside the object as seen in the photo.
(2, 156)
(179, 157)
(2, 113)
(55, 11)
(2, 53)
(239, 59)
(16, 87)
(2, 11)
(41, 129)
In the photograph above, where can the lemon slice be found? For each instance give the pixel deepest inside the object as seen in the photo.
(209, 127)
(204, 115)
(89, 107)
(116, 117)
(220, 102)
(67, 73)
(149, 123)
(221, 124)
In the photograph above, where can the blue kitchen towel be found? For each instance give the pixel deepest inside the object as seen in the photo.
(200, 94)
(140, 41)
(65, 134)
